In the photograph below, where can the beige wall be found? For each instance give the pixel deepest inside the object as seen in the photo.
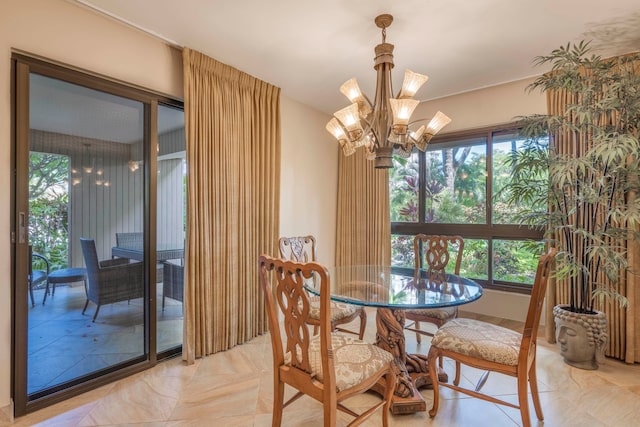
(64, 32)
(485, 107)
(309, 177)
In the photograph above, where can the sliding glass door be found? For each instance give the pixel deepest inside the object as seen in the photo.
(171, 218)
(99, 216)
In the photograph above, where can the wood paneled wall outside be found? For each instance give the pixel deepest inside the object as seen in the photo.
(101, 211)
(96, 211)
(170, 203)
(172, 142)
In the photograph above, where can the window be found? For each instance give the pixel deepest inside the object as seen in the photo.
(458, 187)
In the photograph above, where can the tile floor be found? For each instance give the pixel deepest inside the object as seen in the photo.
(234, 388)
(65, 344)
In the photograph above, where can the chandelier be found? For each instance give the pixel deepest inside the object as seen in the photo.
(382, 128)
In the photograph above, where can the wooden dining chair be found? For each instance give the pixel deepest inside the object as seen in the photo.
(495, 349)
(303, 249)
(328, 367)
(437, 251)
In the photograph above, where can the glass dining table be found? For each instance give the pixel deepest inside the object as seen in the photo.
(391, 291)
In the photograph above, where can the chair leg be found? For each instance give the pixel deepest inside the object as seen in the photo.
(363, 323)
(533, 383)
(33, 304)
(278, 402)
(523, 399)
(330, 409)
(85, 306)
(390, 387)
(96, 313)
(46, 292)
(433, 374)
(418, 335)
(456, 380)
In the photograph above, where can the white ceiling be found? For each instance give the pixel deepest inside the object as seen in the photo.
(310, 48)
(66, 108)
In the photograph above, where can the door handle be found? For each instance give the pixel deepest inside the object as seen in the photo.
(22, 227)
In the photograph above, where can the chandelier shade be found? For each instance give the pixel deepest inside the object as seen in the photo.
(383, 127)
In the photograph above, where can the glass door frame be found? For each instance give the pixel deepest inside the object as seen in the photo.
(22, 66)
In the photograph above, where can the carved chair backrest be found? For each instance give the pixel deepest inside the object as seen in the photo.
(299, 249)
(282, 284)
(437, 252)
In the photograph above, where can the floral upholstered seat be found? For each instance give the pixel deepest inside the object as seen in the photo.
(339, 310)
(354, 360)
(444, 313)
(479, 339)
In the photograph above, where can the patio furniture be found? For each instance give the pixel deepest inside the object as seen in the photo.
(37, 276)
(303, 249)
(172, 281)
(328, 367)
(130, 245)
(494, 348)
(111, 280)
(135, 239)
(65, 275)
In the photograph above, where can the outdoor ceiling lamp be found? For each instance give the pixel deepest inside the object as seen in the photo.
(382, 128)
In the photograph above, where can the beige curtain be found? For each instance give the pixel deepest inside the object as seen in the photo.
(624, 323)
(233, 181)
(363, 223)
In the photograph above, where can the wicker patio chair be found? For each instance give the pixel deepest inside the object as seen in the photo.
(172, 282)
(37, 276)
(111, 280)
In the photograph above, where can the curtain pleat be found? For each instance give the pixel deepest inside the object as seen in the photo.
(233, 182)
(624, 323)
(363, 222)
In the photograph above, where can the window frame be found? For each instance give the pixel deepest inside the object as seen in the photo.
(487, 231)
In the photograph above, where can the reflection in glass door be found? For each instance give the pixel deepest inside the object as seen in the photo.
(170, 235)
(86, 197)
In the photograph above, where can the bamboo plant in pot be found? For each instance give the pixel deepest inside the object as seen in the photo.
(577, 178)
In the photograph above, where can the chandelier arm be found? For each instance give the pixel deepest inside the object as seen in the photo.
(370, 128)
(366, 98)
(413, 122)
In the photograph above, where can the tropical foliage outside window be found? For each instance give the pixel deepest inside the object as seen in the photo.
(458, 187)
(49, 207)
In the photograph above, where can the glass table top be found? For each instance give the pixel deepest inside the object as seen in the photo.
(389, 287)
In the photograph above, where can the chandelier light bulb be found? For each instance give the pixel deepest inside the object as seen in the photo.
(436, 124)
(412, 82)
(350, 119)
(334, 128)
(402, 110)
(351, 90)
